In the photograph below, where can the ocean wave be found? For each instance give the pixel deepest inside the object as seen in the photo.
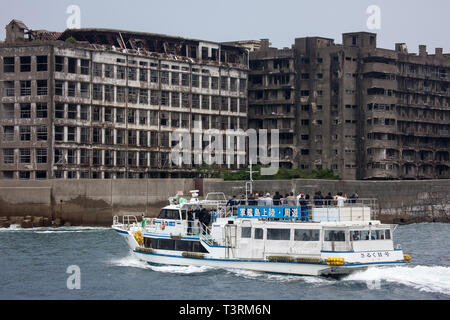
(423, 278)
(131, 261)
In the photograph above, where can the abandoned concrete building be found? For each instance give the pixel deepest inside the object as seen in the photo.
(100, 103)
(362, 111)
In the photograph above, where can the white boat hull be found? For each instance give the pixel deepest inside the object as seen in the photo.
(296, 268)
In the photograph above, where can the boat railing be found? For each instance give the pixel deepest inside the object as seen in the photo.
(125, 221)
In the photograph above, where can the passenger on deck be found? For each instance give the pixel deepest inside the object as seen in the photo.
(291, 200)
(268, 200)
(340, 199)
(277, 199)
(356, 236)
(190, 219)
(252, 201)
(328, 199)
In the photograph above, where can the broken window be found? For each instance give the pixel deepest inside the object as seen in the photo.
(84, 112)
(120, 72)
(131, 116)
(84, 90)
(120, 94)
(164, 77)
(25, 64)
(84, 66)
(205, 102)
(25, 110)
(97, 135)
(109, 137)
(224, 83)
(25, 133)
(185, 79)
(71, 134)
(214, 83)
(72, 65)
(8, 133)
(9, 88)
(154, 76)
(175, 99)
(233, 84)
(165, 98)
(195, 101)
(120, 136)
(154, 98)
(132, 73)
(143, 75)
(41, 110)
(132, 95)
(120, 115)
(224, 104)
(205, 82)
(85, 135)
(153, 118)
(42, 88)
(71, 89)
(175, 78)
(195, 81)
(97, 91)
(132, 137)
(8, 64)
(242, 85)
(143, 138)
(109, 71)
(59, 64)
(72, 111)
(109, 93)
(96, 114)
(185, 100)
(59, 133)
(8, 156)
(25, 156)
(175, 120)
(59, 110)
(143, 96)
(25, 88)
(215, 103)
(142, 116)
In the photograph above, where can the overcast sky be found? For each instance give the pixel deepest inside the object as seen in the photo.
(413, 22)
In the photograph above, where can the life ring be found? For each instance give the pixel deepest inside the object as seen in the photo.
(162, 225)
(138, 237)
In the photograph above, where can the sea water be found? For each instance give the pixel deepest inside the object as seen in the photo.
(95, 263)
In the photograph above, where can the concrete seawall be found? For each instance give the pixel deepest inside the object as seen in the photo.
(95, 202)
(87, 202)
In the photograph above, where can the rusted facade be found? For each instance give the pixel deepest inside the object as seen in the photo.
(362, 111)
(100, 103)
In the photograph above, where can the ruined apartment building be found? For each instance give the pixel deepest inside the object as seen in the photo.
(362, 111)
(100, 103)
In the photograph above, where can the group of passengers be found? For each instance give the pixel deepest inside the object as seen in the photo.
(289, 199)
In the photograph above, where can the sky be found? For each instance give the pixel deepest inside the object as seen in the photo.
(413, 22)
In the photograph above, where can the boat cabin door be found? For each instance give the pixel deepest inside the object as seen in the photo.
(335, 239)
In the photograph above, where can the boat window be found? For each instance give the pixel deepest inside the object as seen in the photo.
(387, 234)
(356, 235)
(306, 235)
(166, 244)
(183, 245)
(334, 235)
(169, 214)
(259, 233)
(246, 232)
(278, 234)
(378, 234)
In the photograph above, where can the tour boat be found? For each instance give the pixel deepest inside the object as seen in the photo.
(317, 239)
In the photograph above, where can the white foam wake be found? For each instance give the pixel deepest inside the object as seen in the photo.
(131, 261)
(423, 278)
